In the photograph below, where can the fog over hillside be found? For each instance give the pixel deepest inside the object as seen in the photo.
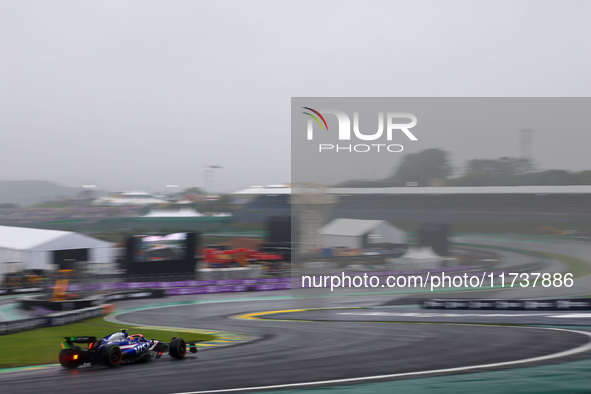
(27, 193)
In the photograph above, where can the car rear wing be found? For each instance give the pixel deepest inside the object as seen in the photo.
(70, 341)
(80, 339)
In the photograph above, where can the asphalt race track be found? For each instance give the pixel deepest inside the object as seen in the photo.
(419, 315)
(342, 346)
(302, 352)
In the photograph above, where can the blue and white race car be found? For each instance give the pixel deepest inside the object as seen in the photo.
(119, 348)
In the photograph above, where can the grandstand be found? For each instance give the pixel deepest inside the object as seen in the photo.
(536, 204)
(262, 202)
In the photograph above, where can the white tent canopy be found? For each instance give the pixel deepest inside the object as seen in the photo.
(170, 213)
(356, 233)
(33, 248)
(421, 253)
(265, 190)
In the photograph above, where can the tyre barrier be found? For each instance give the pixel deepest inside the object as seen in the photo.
(29, 303)
(35, 302)
(54, 319)
(580, 304)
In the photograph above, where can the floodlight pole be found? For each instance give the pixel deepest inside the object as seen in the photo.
(209, 178)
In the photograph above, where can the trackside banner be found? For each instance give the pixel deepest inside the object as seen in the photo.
(580, 304)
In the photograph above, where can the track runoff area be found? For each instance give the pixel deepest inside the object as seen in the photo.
(299, 346)
(321, 340)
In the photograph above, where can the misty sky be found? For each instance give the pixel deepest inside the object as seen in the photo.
(141, 94)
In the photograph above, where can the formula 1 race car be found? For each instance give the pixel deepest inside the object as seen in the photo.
(119, 348)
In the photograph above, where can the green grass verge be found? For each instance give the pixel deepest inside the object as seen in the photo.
(42, 345)
(577, 267)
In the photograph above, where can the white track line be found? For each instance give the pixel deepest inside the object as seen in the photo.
(580, 349)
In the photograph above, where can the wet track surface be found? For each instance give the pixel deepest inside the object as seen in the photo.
(298, 352)
(349, 346)
(417, 314)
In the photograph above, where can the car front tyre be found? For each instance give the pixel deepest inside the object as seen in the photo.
(177, 348)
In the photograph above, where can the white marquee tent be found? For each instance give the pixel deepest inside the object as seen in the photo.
(355, 233)
(421, 253)
(30, 248)
(168, 213)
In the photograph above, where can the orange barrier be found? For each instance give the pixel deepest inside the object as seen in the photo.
(59, 290)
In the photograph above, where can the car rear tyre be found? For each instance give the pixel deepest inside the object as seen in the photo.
(110, 355)
(177, 348)
(70, 358)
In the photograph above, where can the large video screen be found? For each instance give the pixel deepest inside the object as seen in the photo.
(159, 248)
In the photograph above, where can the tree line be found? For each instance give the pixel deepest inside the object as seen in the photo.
(431, 167)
